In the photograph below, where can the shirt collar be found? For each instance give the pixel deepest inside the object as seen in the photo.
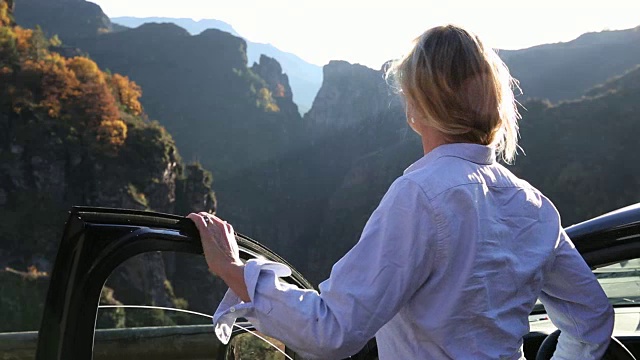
(479, 154)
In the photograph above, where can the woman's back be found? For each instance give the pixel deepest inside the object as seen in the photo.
(496, 242)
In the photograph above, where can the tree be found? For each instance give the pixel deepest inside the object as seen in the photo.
(128, 93)
(5, 17)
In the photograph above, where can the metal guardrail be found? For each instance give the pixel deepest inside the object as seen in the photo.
(194, 342)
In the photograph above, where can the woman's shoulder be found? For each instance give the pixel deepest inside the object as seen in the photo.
(446, 174)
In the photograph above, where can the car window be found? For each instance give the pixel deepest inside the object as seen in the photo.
(621, 282)
(159, 305)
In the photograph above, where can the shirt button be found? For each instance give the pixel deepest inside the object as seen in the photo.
(233, 309)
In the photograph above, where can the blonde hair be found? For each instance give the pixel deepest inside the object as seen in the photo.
(459, 87)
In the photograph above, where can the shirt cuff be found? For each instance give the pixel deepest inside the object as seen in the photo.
(232, 307)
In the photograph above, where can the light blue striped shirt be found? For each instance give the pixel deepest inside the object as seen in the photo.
(449, 266)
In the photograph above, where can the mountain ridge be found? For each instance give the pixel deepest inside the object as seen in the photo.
(194, 27)
(566, 70)
(305, 78)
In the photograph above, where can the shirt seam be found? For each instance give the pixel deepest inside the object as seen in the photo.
(467, 158)
(439, 222)
(511, 186)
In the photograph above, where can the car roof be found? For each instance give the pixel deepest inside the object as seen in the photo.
(606, 229)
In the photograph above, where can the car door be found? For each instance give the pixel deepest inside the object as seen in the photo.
(95, 242)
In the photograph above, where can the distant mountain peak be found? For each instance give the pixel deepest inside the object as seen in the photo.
(165, 29)
(305, 78)
(340, 68)
(66, 18)
(564, 71)
(215, 32)
(608, 37)
(194, 27)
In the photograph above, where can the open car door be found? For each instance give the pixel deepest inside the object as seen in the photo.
(95, 242)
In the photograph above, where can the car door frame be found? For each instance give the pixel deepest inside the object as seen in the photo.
(95, 242)
(608, 238)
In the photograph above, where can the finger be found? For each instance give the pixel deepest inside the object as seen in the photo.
(199, 221)
(229, 229)
(218, 221)
(206, 217)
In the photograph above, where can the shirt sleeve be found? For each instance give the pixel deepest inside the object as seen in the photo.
(577, 305)
(366, 288)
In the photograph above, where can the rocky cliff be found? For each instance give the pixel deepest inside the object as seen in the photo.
(350, 94)
(75, 135)
(65, 18)
(305, 78)
(277, 83)
(201, 90)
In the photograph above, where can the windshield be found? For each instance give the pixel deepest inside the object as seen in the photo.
(621, 282)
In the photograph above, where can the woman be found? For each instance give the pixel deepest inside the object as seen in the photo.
(452, 261)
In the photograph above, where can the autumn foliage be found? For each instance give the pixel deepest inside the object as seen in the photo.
(5, 19)
(128, 93)
(266, 102)
(72, 90)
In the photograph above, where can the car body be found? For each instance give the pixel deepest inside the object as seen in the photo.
(97, 240)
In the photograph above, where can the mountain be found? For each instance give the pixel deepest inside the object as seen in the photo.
(582, 153)
(237, 121)
(65, 18)
(201, 90)
(73, 134)
(564, 71)
(192, 26)
(305, 78)
(349, 94)
(627, 81)
(305, 186)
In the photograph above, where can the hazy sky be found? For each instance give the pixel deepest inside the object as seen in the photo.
(371, 32)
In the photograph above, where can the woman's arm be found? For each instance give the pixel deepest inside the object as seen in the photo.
(577, 305)
(367, 287)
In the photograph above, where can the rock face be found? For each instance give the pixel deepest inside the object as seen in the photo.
(201, 82)
(193, 191)
(277, 82)
(62, 151)
(305, 78)
(66, 18)
(349, 95)
(38, 164)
